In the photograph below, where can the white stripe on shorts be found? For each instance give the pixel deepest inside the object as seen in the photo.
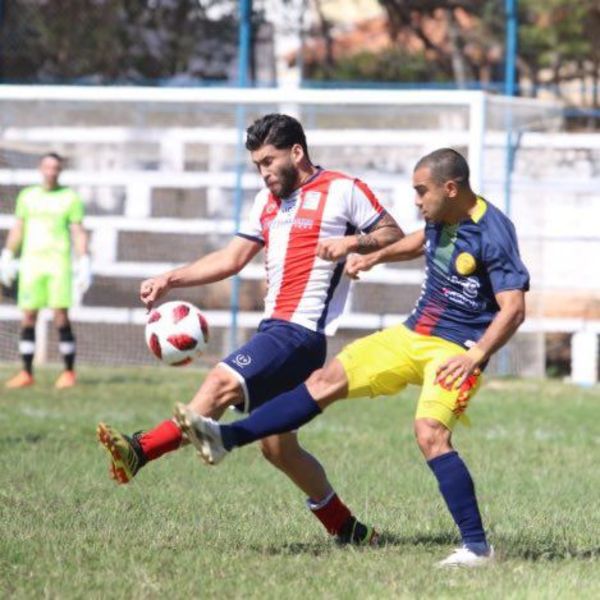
(242, 381)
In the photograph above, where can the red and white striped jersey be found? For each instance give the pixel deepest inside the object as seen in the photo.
(303, 288)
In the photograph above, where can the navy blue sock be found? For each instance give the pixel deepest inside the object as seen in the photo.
(279, 415)
(458, 491)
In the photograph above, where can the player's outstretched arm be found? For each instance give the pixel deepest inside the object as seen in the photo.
(407, 248)
(506, 322)
(215, 266)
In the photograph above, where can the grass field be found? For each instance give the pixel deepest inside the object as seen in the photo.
(183, 530)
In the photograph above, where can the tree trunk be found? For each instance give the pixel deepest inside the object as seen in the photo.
(460, 68)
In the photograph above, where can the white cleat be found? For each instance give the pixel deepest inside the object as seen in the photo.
(203, 433)
(463, 557)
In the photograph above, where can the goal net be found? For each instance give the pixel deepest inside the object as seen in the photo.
(162, 173)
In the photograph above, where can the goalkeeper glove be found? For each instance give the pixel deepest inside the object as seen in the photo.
(83, 274)
(9, 267)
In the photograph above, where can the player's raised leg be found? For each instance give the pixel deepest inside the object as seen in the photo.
(282, 414)
(128, 453)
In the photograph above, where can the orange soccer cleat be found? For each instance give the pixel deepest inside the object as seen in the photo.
(66, 379)
(20, 380)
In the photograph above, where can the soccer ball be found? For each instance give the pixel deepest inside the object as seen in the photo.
(176, 332)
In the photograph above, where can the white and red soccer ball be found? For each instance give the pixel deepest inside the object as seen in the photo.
(176, 332)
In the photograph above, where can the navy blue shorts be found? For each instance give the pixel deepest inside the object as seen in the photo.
(276, 359)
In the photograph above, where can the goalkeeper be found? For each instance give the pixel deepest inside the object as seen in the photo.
(48, 222)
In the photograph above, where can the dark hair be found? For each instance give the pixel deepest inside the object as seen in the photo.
(446, 164)
(54, 155)
(281, 131)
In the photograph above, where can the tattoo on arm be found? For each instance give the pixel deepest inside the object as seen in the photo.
(385, 232)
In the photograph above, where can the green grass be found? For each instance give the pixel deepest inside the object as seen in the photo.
(182, 530)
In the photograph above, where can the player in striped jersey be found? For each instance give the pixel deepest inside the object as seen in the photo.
(472, 302)
(306, 221)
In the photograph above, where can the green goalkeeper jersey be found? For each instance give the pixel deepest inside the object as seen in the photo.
(47, 216)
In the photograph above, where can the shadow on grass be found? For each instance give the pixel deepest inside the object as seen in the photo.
(420, 539)
(385, 540)
(507, 548)
(295, 548)
(535, 551)
(29, 438)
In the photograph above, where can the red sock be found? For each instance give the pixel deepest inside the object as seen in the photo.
(164, 438)
(333, 514)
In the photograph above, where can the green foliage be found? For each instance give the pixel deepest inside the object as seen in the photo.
(108, 40)
(183, 530)
(391, 65)
(558, 34)
(551, 32)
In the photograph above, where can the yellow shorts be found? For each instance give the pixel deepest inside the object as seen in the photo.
(383, 363)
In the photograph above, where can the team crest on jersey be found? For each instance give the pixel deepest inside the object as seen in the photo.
(465, 263)
(311, 200)
(242, 360)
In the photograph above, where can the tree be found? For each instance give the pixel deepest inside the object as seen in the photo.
(449, 54)
(559, 37)
(118, 40)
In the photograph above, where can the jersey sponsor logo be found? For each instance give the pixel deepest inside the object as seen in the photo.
(469, 291)
(303, 223)
(288, 220)
(465, 263)
(311, 200)
(242, 360)
(471, 287)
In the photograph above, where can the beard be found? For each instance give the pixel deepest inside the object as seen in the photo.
(287, 178)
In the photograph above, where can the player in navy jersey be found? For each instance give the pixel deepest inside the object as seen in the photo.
(472, 302)
(305, 221)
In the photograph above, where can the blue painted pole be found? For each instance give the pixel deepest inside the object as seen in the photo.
(510, 71)
(510, 88)
(245, 35)
(244, 40)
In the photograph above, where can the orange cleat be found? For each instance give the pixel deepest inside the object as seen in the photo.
(67, 379)
(20, 380)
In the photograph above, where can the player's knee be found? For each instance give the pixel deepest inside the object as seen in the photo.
(276, 453)
(328, 384)
(271, 453)
(223, 387)
(61, 318)
(432, 438)
(29, 319)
